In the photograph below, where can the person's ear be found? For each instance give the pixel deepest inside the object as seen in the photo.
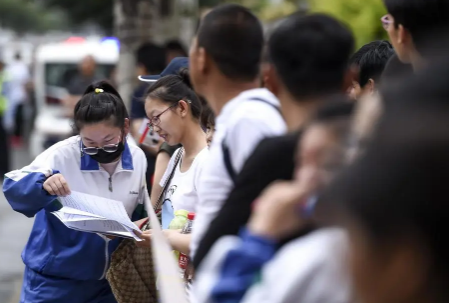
(183, 108)
(351, 76)
(126, 127)
(203, 60)
(370, 86)
(271, 79)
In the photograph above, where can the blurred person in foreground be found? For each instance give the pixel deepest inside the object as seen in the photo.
(302, 72)
(303, 267)
(76, 85)
(392, 200)
(225, 59)
(370, 61)
(150, 59)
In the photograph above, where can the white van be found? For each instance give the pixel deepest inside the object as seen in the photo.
(54, 65)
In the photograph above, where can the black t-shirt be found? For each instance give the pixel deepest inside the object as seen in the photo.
(273, 159)
(170, 150)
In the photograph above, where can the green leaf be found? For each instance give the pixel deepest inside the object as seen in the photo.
(362, 17)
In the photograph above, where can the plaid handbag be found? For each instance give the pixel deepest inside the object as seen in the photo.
(131, 273)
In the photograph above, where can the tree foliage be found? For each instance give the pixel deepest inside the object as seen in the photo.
(26, 16)
(363, 17)
(80, 12)
(264, 9)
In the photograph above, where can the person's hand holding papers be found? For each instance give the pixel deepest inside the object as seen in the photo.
(56, 185)
(146, 236)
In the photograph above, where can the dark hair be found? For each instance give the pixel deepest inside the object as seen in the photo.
(175, 45)
(336, 113)
(395, 70)
(233, 37)
(424, 19)
(173, 88)
(426, 89)
(371, 60)
(95, 107)
(152, 57)
(310, 54)
(335, 107)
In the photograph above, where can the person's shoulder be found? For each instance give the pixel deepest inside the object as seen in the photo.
(169, 149)
(317, 258)
(202, 155)
(259, 99)
(276, 144)
(314, 252)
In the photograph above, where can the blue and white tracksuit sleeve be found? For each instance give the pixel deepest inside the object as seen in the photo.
(232, 267)
(23, 188)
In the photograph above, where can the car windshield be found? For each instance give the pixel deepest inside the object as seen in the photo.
(60, 74)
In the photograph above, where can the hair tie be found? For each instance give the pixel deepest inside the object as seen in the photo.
(99, 90)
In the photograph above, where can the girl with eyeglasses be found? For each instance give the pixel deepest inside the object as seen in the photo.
(175, 113)
(64, 265)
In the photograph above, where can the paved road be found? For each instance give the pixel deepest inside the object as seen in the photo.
(14, 231)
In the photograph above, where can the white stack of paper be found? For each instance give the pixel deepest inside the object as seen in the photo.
(95, 214)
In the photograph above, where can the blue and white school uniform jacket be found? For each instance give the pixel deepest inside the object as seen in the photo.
(53, 249)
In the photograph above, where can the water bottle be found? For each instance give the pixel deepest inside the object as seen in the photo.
(178, 222)
(183, 258)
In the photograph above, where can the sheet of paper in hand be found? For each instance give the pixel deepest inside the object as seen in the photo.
(95, 214)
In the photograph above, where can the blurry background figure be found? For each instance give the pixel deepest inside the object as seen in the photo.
(77, 82)
(4, 140)
(173, 49)
(19, 76)
(370, 60)
(150, 59)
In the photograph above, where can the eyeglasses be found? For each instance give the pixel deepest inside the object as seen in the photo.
(109, 148)
(156, 120)
(386, 21)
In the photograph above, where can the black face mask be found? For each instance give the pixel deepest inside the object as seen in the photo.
(105, 157)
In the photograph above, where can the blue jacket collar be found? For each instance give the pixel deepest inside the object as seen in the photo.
(87, 163)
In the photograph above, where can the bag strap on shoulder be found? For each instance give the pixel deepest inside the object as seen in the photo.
(225, 149)
(158, 205)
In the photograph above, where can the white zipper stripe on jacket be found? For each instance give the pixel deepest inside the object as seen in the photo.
(106, 254)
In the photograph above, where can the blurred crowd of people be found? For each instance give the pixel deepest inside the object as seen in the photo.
(313, 168)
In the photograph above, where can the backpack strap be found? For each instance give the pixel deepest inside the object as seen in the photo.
(225, 149)
(160, 200)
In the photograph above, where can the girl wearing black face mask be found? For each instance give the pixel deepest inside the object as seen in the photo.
(99, 161)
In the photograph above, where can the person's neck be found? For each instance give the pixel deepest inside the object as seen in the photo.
(297, 112)
(221, 91)
(417, 61)
(194, 140)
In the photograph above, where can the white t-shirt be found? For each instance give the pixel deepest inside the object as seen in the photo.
(182, 191)
(242, 124)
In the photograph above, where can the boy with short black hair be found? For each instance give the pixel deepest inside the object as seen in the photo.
(370, 60)
(225, 62)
